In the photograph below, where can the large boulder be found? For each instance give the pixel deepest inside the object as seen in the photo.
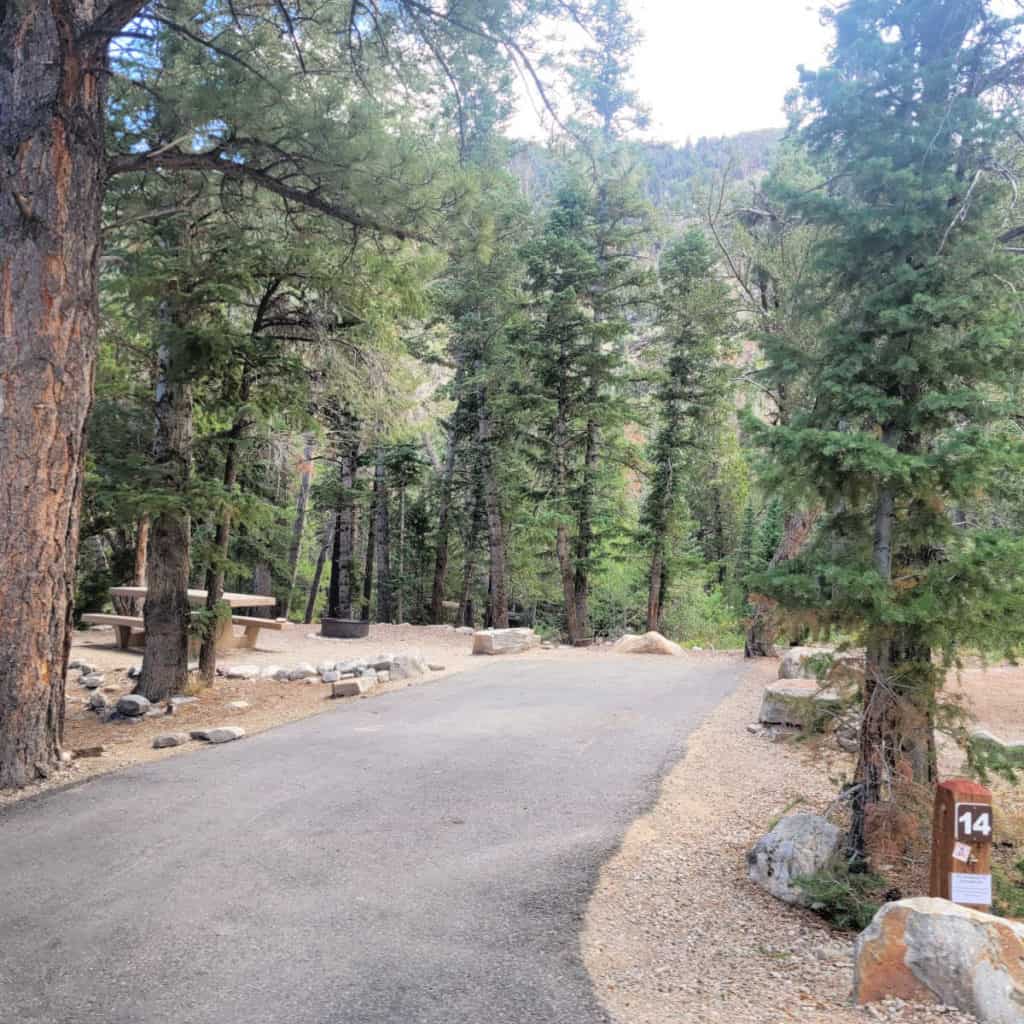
(649, 643)
(801, 662)
(504, 641)
(800, 844)
(797, 703)
(133, 705)
(406, 666)
(934, 951)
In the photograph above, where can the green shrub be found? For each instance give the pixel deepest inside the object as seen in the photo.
(846, 899)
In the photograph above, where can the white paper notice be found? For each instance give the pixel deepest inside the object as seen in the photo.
(974, 889)
(961, 852)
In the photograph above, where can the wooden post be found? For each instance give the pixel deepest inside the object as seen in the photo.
(962, 828)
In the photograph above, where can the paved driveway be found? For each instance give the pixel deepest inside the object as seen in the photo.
(423, 857)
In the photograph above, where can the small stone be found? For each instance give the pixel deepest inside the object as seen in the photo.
(434, 667)
(219, 734)
(330, 676)
(241, 671)
(351, 687)
(170, 739)
(270, 671)
(325, 666)
(283, 674)
(135, 671)
(238, 705)
(302, 671)
(382, 664)
(89, 751)
(85, 667)
(349, 668)
(97, 700)
(132, 705)
(178, 701)
(368, 674)
(91, 681)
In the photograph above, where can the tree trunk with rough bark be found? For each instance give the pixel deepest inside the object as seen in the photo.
(497, 612)
(371, 544)
(299, 523)
(443, 515)
(382, 536)
(52, 72)
(585, 531)
(400, 578)
(167, 614)
(314, 587)
(341, 588)
(654, 589)
(222, 539)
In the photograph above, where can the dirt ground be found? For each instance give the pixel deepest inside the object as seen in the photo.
(675, 932)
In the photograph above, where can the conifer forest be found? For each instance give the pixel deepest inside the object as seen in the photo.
(285, 308)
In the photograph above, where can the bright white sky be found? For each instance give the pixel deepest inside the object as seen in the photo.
(715, 67)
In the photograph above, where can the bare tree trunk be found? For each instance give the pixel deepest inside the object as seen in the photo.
(382, 535)
(222, 539)
(141, 558)
(371, 543)
(52, 73)
(654, 590)
(343, 582)
(314, 588)
(585, 531)
(497, 613)
(444, 508)
(400, 581)
(167, 614)
(299, 525)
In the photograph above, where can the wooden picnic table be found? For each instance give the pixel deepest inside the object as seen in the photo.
(129, 628)
(198, 597)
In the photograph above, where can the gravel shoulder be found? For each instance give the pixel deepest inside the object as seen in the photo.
(676, 934)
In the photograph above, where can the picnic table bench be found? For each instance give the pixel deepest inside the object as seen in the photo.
(130, 629)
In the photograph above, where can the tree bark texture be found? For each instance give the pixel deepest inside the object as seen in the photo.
(443, 517)
(51, 189)
(654, 589)
(222, 537)
(585, 530)
(342, 586)
(167, 615)
(327, 543)
(382, 536)
(371, 543)
(299, 523)
(497, 615)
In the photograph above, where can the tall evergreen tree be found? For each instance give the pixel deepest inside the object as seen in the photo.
(909, 375)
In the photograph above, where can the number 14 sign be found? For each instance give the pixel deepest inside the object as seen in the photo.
(974, 823)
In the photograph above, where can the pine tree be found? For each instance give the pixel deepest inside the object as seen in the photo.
(922, 343)
(693, 318)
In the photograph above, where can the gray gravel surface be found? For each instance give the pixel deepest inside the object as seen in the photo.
(416, 858)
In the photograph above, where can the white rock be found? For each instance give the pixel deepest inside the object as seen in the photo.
(406, 666)
(302, 671)
(504, 641)
(238, 705)
(91, 681)
(241, 671)
(353, 687)
(796, 703)
(219, 734)
(133, 705)
(330, 676)
(97, 701)
(650, 643)
(269, 671)
(800, 844)
(325, 666)
(435, 667)
(931, 950)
